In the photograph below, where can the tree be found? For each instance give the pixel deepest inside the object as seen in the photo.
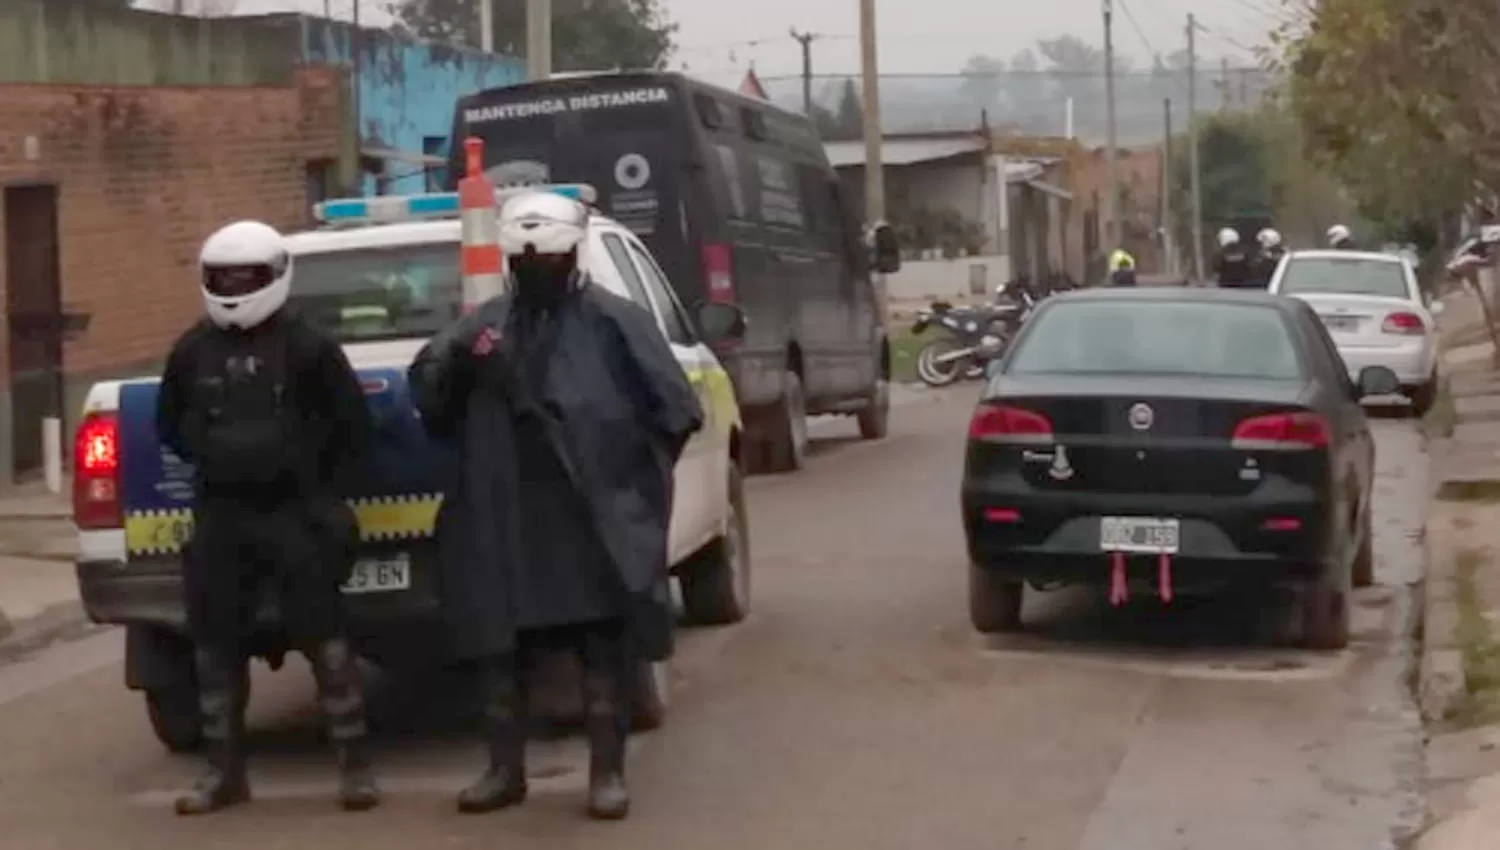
(847, 122)
(1401, 98)
(588, 35)
(983, 81)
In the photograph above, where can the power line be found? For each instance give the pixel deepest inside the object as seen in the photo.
(1130, 17)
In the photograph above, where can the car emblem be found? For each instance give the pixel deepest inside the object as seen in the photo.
(1141, 416)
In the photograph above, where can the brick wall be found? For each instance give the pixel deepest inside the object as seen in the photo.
(144, 174)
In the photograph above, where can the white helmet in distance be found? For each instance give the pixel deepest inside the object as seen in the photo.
(1228, 236)
(1269, 238)
(246, 274)
(1338, 233)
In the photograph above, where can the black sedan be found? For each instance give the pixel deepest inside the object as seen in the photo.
(1170, 441)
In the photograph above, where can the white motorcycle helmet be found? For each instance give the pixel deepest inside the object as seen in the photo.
(543, 223)
(246, 274)
(1269, 238)
(1228, 236)
(1337, 234)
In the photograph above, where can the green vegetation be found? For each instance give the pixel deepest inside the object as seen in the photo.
(904, 348)
(1476, 639)
(587, 35)
(1395, 98)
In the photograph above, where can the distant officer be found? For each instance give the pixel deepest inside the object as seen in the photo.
(1269, 256)
(1121, 268)
(267, 410)
(1233, 264)
(1339, 238)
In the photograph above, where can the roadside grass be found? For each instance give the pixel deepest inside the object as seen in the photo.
(904, 348)
(1477, 643)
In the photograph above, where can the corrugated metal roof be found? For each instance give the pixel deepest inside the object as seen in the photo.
(902, 151)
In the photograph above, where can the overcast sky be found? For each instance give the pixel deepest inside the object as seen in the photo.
(916, 36)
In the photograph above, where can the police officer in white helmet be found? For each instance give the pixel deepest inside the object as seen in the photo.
(1269, 256)
(271, 416)
(570, 412)
(1233, 264)
(1340, 238)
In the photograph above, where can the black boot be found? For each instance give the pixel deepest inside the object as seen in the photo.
(503, 782)
(224, 685)
(608, 725)
(339, 692)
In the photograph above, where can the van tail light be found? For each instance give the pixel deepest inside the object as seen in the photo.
(718, 272)
(1282, 431)
(1405, 324)
(96, 473)
(1003, 423)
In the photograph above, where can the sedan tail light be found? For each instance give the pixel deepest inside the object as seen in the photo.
(1004, 423)
(1283, 431)
(1405, 324)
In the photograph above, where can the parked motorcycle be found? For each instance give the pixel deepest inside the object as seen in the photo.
(975, 335)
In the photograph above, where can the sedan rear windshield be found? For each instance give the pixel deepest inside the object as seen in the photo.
(1343, 276)
(366, 294)
(1157, 338)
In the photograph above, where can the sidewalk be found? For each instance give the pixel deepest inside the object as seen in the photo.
(38, 590)
(1459, 680)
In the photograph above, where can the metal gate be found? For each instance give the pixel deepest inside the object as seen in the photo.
(35, 318)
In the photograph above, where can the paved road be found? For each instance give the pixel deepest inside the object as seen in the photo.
(856, 709)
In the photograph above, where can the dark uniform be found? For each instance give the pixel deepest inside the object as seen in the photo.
(274, 422)
(1234, 267)
(1266, 261)
(570, 412)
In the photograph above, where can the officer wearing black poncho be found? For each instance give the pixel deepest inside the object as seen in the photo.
(570, 412)
(267, 410)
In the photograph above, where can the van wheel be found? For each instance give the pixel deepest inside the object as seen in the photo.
(788, 444)
(716, 579)
(653, 694)
(175, 717)
(994, 603)
(875, 419)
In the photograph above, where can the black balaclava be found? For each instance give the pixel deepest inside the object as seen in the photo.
(543, 280)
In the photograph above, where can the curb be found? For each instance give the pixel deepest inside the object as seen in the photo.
(28, 634)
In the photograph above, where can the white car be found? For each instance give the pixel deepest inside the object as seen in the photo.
(1374, 311)
(383, 282)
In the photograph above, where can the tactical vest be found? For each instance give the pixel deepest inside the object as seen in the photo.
(247, 418)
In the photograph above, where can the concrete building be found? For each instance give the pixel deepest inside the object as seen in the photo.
(962, 234)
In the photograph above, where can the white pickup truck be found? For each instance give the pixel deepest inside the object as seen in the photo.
(383, 275)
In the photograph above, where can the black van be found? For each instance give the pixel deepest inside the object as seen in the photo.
(737, 200)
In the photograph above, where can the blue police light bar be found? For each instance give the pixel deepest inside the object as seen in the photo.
(387, 209)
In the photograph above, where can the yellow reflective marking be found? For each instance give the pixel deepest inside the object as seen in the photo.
(386, 518)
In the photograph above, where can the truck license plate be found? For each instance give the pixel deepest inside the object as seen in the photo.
(1143, 535)
(380, 575)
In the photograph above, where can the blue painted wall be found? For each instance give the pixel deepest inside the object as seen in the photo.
(407, 89)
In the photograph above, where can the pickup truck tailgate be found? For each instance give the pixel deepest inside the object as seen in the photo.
(398, 498)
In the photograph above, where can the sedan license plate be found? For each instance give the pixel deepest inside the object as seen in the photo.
(1341, 323)
(380, 575)
(1142, 535)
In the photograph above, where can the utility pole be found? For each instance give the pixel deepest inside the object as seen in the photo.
(1168, 239)
(1224, 73)
(356, 45)
(869, 61)
(1194, 167)
(487, 25)
(538, 38)
(1113, 155)
(806, 39)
